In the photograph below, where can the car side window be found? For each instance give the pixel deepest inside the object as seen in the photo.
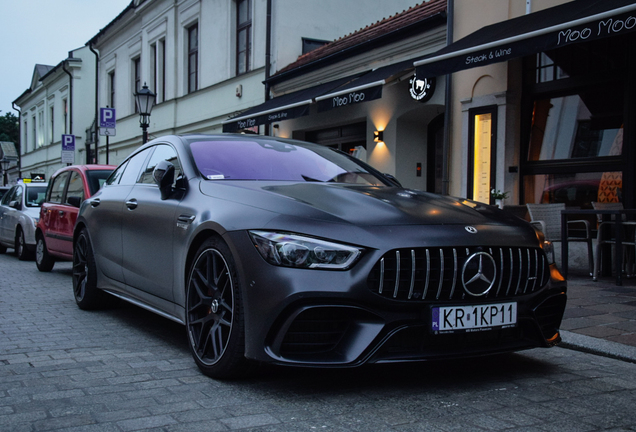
(116, 175)
(57, 188)
(7, 198)
(75, 187)
(17, 195)
(133, 167)
(162, 152)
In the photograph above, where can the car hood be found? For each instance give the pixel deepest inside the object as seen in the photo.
(358, 205)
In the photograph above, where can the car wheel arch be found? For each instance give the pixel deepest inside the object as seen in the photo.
(197, 241)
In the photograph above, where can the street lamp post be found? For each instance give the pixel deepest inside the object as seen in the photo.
(145, 100)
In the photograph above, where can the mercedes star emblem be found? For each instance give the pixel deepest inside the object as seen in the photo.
(479, 273)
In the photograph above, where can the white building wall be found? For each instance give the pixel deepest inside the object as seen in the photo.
(43, 155)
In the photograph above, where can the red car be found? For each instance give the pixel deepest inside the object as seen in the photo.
(68, 187)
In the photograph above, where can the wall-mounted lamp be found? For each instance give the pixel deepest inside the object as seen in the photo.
(378, 136)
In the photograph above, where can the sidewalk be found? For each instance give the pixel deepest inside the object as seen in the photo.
(600, 317)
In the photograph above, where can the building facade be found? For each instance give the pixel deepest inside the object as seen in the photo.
(542, 100)
(58, 102)
(359, 94)
(207, 60)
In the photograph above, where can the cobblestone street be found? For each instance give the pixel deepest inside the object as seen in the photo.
(124, 369)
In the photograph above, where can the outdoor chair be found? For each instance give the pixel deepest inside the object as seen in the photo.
(547, 218)
(607, 236)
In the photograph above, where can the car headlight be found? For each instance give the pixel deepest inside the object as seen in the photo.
(292, 250)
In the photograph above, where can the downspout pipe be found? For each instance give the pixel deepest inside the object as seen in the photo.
(448, 104)
(268, 55)
(19, 139)
(96, 122)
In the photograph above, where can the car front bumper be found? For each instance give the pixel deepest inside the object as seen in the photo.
(337, 318)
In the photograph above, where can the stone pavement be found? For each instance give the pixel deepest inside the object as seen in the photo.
(124, 369)
(602, 311)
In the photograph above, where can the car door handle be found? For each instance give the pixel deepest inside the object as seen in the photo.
(95, 202)
(132, 204)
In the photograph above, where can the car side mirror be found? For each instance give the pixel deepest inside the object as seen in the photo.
(15, 205)
(164, 177)
(75, 201)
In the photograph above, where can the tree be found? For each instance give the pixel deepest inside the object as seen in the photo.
(9, 130)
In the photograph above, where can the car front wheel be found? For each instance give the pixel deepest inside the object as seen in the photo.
(87, 295)
(214, 313)
(43, 260)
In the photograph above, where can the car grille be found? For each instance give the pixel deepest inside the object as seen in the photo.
(428, 274)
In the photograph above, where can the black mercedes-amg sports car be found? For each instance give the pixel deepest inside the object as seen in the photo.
(280, 251)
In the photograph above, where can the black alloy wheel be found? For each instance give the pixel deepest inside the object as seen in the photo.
(214, 313)
(87, 295)
(43, 260)
(20, 246)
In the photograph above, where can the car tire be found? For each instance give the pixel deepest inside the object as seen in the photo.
(21, 250)
(87, 295)
(214, 313)
(3, 249)
(43, 260)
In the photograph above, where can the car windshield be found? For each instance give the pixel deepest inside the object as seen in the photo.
(96, 178)
(35, 195)
(280, 161)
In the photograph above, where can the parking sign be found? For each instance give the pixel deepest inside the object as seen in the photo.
(68, 149)
(107, 118)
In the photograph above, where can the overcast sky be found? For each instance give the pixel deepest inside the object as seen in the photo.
(44, 31)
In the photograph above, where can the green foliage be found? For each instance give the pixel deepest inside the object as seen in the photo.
(9, 128)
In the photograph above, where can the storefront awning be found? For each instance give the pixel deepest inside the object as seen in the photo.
(363, 89)
(573, 22)
(285, 107)
(358, 88)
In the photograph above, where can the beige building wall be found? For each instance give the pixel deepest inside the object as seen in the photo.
(488, 85)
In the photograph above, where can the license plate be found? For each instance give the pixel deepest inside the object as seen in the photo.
(452, 319)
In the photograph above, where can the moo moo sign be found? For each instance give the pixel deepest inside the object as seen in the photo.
(337, 100)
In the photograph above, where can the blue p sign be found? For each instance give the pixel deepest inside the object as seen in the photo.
(68, 142)
(107, 118)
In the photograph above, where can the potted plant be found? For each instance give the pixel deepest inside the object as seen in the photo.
(499, 197)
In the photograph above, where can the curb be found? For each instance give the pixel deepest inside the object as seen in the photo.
(597, 346)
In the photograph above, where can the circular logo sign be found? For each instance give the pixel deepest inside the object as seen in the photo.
(471, 229)
(479, 274)
(422, 89)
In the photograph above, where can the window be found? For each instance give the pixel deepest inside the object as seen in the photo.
(243, 35)
(75, 187)
(56, 192)
(40, 129)
(111, 89)
(132, 170)
(52, 124)
(136, 79)
(573, 124)
(65, 115)
(570, 127)
(162, 152)
(34, 140)
(312, 44)
(193, 58)
(159, 70)
(26, 137)
(482, 132)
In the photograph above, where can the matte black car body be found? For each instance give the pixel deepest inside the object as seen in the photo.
(417, 252)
